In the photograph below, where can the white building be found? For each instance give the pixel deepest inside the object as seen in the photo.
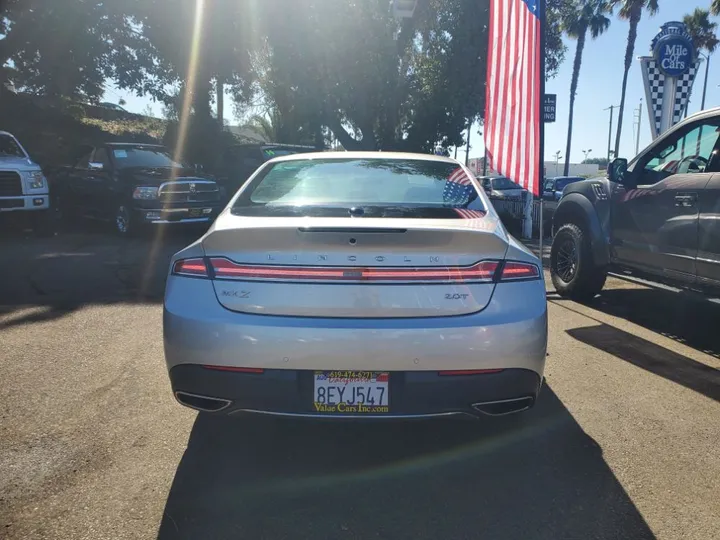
(551, 168)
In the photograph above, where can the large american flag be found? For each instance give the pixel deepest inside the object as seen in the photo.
(512, 94)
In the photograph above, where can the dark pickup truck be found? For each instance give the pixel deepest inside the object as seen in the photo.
(240, 161)
(656, 217)
(132, 185)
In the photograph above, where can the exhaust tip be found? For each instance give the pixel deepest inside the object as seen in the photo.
(202, 403)
(505, 406)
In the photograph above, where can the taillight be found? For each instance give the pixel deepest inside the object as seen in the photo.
(482, 271)
(190, 267)
(518, 270)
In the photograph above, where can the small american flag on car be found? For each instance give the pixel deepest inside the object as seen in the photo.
(458, 188)
(466, 213)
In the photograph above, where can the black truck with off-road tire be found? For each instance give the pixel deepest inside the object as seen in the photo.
(656, 217)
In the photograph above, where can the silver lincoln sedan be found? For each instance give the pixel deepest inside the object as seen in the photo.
(373, 285)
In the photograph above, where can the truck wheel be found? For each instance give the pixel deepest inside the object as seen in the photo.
(124, 225)
(572, 268)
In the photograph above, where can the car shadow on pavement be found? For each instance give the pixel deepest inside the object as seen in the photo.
(537, 475)
(44, 279)
(677, 316)
(654, 358)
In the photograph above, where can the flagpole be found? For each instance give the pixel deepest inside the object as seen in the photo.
(541, 168)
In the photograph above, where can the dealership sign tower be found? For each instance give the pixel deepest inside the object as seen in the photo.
(669, 75)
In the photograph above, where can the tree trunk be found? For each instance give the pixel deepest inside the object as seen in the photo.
(220, 102)
(201, 96)
(573, 90)
(629, 51)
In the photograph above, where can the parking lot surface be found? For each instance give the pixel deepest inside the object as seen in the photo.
(623, 443)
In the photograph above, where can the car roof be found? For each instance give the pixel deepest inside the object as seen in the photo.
(364, 155)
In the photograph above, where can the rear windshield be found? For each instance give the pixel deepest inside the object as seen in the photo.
(501, 183)
(371, 187)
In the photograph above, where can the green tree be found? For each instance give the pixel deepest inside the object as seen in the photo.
(200, 45)
(715, 7)
(601, 161)
(588, 16)
(555, 49)
(338, 64)
(631, 10)
(65, 48)
(702, 30)
(264, 126)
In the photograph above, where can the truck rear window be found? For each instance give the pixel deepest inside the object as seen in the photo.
(381, 187)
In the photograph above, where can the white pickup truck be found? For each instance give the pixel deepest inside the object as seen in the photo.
(23, 187)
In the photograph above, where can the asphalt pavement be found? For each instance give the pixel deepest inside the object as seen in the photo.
(623, 443)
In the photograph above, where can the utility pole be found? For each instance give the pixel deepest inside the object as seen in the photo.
(639, 122)
(467, 147)
(586, 153)
(611, 108)
(707, 69)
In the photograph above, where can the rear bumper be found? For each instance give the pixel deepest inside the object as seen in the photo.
(412, 393)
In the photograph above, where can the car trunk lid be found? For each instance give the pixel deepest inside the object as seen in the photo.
(354, 267)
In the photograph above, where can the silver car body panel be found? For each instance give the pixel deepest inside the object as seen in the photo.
(511, 332)
(355, 243)
(384, 327)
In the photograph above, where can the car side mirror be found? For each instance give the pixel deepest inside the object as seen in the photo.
(617, 170)
(95, 166)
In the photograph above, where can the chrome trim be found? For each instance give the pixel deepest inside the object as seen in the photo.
(168, 210)
(219, 400)
(186, 220)
(176, 182)
(481, 403)
(352, 416)
(706, 260)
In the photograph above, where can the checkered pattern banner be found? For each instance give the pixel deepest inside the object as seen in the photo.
(655, 87)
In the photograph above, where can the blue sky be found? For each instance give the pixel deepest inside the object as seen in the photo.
(598, 88)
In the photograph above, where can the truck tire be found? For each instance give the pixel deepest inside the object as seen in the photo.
(123, 223)
(573, 271)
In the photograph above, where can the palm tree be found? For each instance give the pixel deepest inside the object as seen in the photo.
(703, 35)
(715, 8)
(585, 15)
(266, 126)
(702, 30)
(631, 10)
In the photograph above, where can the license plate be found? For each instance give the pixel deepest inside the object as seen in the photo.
(351, 392)
(195, 212)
